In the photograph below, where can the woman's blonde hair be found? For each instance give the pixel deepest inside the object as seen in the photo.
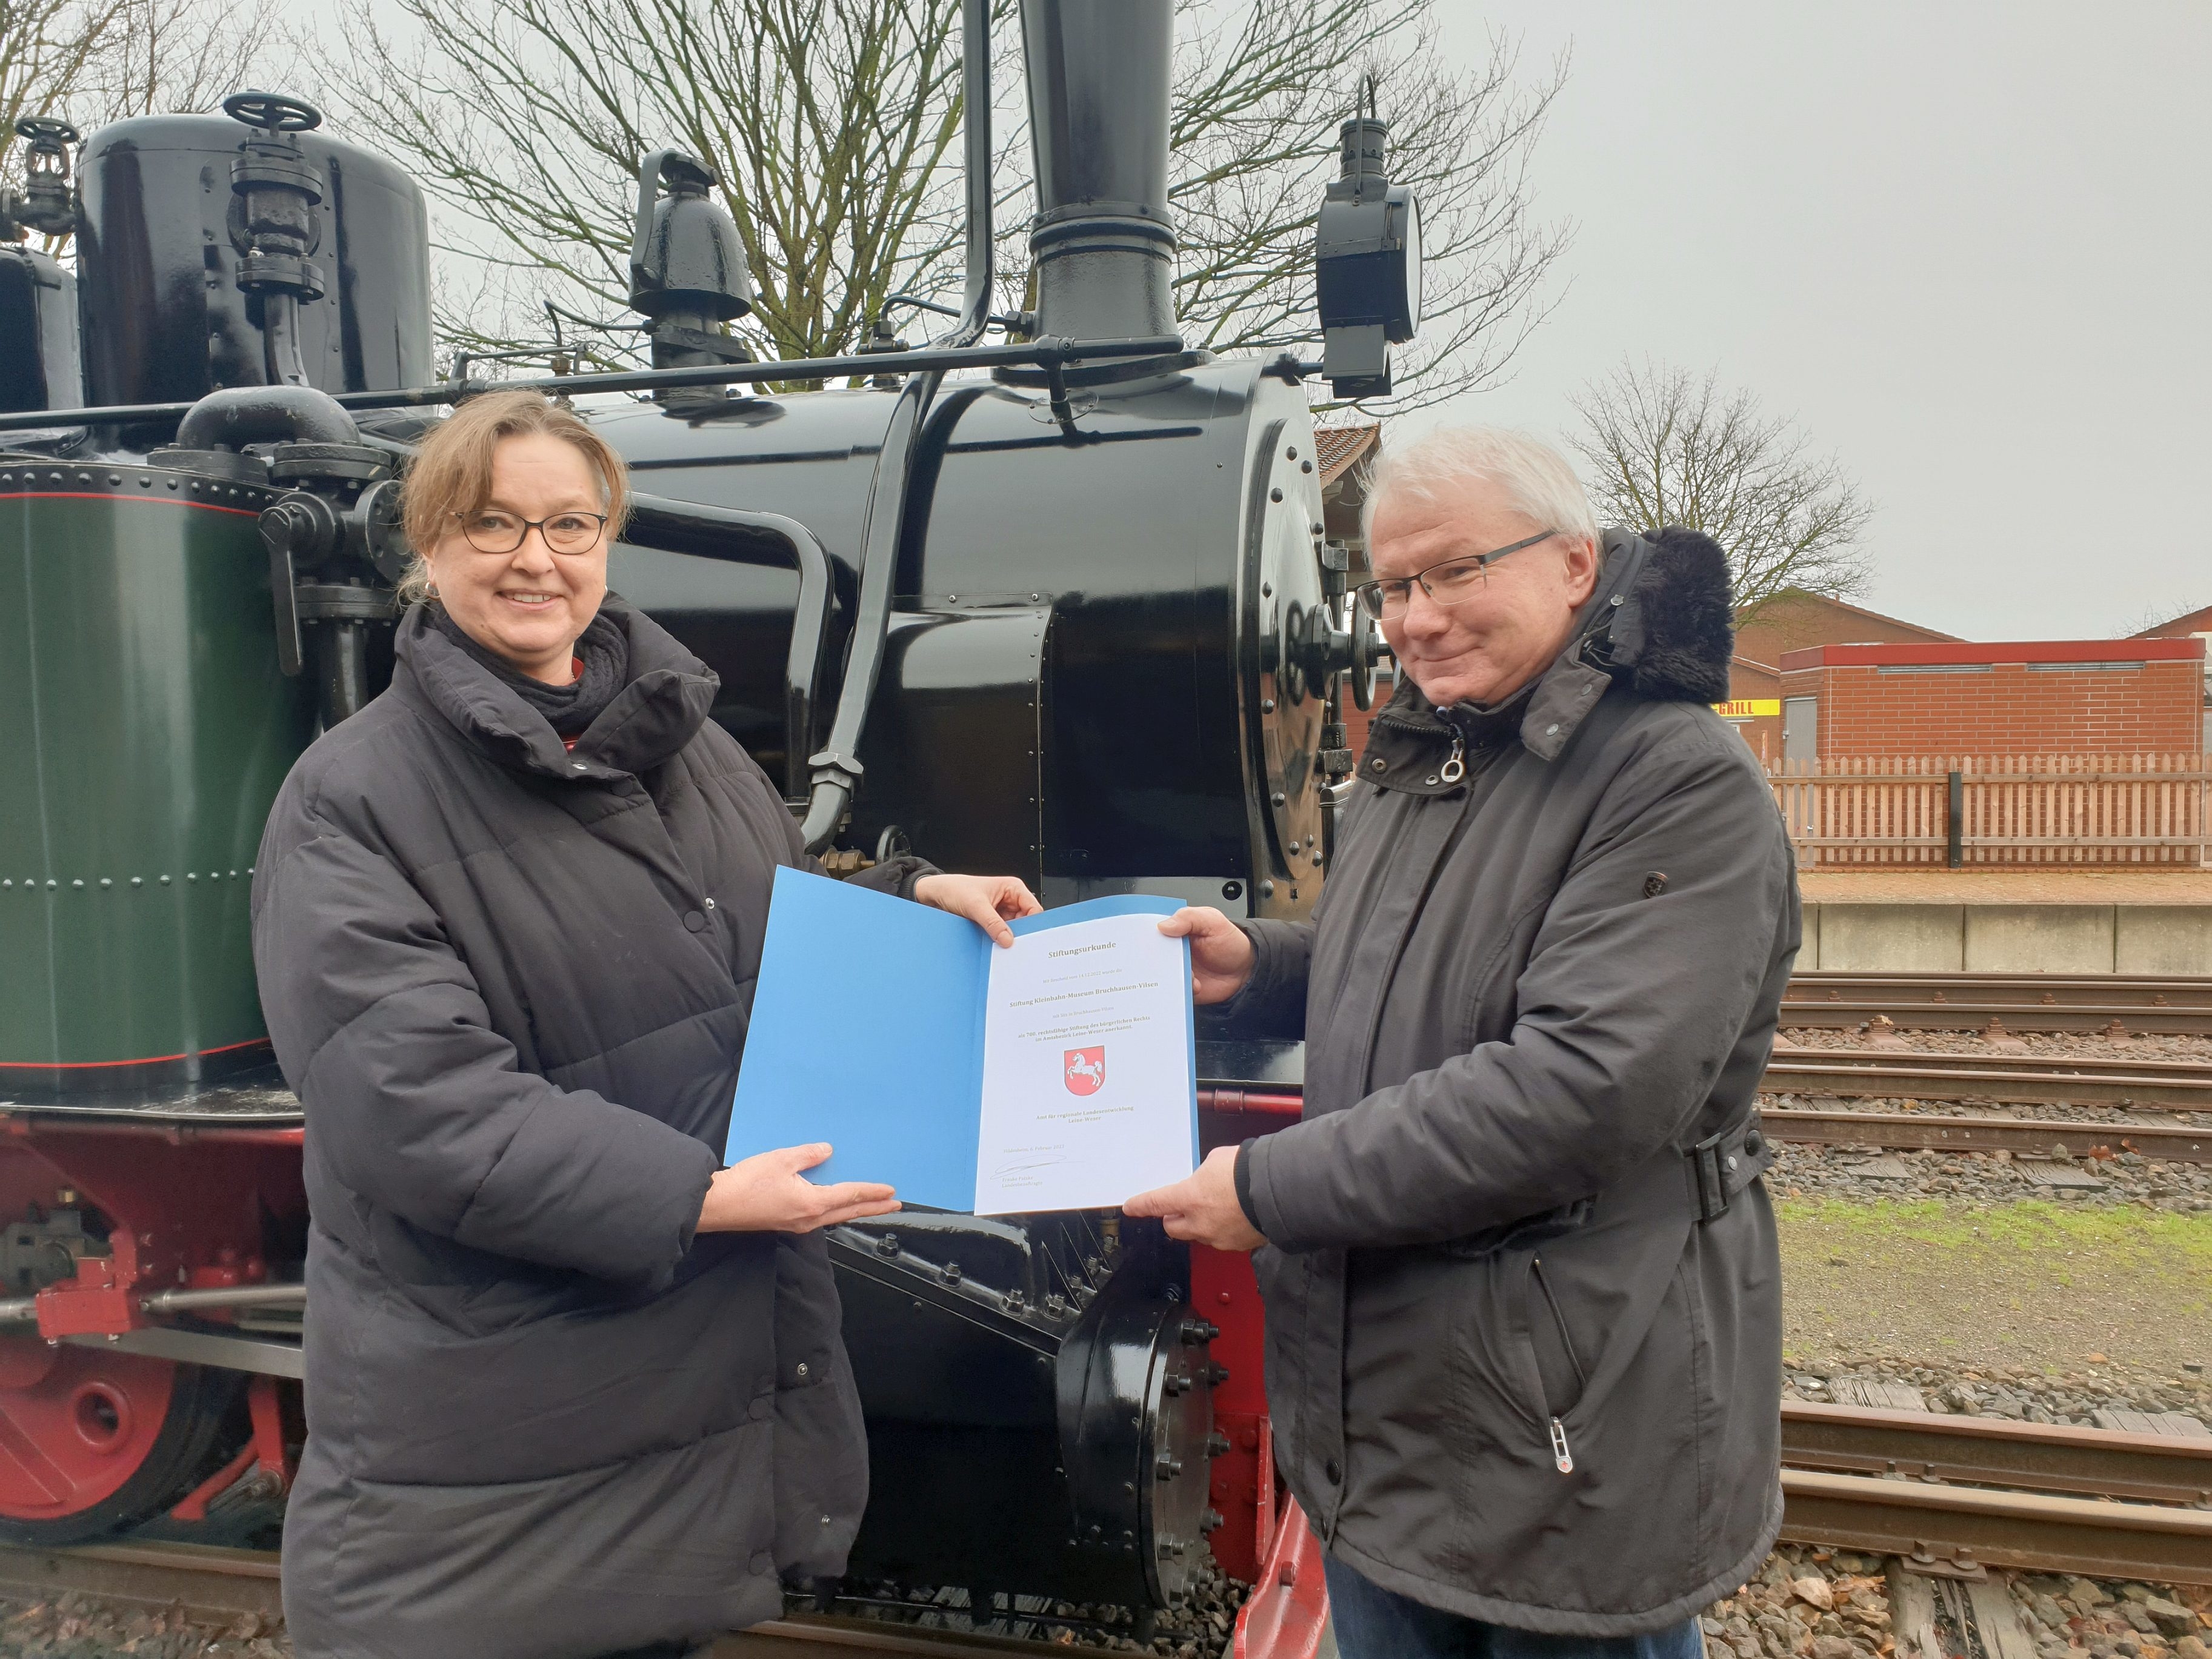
(452, 471)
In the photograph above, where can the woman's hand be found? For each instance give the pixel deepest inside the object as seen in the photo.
(1220, 954)
(989, 902)
(766, 1194)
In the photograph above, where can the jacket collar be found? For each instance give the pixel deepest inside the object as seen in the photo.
(1660, 625)
(660, 710)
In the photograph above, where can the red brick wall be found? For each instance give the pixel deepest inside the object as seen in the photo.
(2006, 708)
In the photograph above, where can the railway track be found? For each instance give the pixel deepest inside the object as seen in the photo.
(219, 1584)
(2175, 1007)
(2178, 1143)
(1950, 1493)
(1959, 1493)
(2022, 1137)
(2172, 1085)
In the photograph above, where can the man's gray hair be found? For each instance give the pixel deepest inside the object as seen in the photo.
(1534, 477)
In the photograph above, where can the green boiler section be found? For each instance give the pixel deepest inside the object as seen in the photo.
(147, 727)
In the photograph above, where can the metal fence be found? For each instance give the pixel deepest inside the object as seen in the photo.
(2007, 812)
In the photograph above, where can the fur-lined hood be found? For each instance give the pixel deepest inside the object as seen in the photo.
(1661, 622)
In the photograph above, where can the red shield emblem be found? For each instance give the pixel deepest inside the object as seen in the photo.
(1086, 1070)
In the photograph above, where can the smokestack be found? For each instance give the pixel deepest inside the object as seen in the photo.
(1103, 238)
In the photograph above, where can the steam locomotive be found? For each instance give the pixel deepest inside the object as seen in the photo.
(1074, 613)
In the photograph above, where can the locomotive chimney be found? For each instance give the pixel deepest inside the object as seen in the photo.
(1103, 238)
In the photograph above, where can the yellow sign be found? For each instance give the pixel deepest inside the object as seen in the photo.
(1749, 708)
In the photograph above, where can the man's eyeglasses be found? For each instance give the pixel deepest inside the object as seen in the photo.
(492, 530)
(1454, 582)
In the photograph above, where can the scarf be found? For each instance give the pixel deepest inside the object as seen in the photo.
(604, 649)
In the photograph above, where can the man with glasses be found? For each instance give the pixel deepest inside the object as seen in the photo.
(1522, 1284)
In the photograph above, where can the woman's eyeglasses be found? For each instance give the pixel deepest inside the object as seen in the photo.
(1453, 582)
(492, 530)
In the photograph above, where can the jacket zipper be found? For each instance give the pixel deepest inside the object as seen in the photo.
(1454, 767)
(1562, 1457)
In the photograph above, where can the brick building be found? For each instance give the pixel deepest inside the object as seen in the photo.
(1341, 454)
(2029, 697)
(1793, 621)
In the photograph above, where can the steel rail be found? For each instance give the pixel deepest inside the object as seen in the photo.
(2167, 1143)
(2016, 990)
(1902, 1131)
(2176, 1004)
(1890, 1073)
(1995, 1451)
(225, 1583)
(1960, 1016)
(203, 1579)
(1967, 1526)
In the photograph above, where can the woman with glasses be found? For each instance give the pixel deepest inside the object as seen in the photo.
(572, 1386)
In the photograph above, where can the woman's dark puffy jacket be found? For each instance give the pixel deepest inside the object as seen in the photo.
(510, 985)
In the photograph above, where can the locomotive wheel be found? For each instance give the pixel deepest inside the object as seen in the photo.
(93, 1440)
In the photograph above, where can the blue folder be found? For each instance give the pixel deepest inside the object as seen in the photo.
(867, 1032)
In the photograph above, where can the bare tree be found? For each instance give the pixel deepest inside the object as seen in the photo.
(183, 57)
(1261, 88)
(49, 50)
(90, 62)
(834, 125)
(830, 122)
(1664, 449)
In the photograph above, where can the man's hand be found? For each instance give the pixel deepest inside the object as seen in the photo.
(1202, 1208)
(988, 900)
(1220, 955)
(766, 1194)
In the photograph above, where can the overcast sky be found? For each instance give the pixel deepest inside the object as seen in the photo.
(1966, 246)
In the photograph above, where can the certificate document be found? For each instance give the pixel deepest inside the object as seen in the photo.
(1059, 1074)
(1086, 1066)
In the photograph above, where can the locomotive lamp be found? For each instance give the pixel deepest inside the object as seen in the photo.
(1367, 264)
(687, 270)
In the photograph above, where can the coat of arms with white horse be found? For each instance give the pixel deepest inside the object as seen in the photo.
(1086, 1070)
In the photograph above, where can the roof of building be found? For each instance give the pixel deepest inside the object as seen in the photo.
(1794, 619)
(2198, 621)
(1337, 448)
(2130, 653)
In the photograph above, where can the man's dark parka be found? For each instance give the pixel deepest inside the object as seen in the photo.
(1513, 1373)
(510, 985)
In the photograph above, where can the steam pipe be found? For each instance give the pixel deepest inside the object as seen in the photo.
(237, 416)
(836, 769)
(1044, 350)
(693, 527)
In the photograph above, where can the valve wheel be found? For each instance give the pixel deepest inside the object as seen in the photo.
(272, 112)
(42, 130)
(93, 1440)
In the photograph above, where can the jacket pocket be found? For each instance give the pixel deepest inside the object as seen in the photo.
(1561, 1377)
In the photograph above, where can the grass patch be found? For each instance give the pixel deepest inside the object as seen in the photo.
(2115, 1234)
(2035, 1283)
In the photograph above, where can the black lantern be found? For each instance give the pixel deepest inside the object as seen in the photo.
(1367, 264)
(686, 274)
